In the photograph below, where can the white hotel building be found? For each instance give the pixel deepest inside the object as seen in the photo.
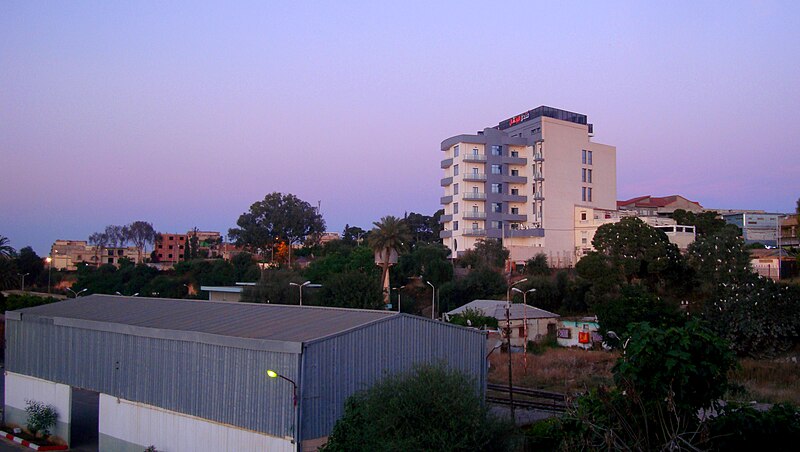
(521, 182)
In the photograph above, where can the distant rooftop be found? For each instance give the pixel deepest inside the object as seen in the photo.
(546, 111)
(497, 309)
(242, 320)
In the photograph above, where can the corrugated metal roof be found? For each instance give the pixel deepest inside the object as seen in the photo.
(245, 320)
(497, 309)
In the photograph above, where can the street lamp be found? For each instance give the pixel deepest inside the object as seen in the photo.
(525, 323)
(272, 374)
(23, 275)
(398, 289)
(508, 344)
(49, 261)
(78, 292)
(433, 300)
(305, 284)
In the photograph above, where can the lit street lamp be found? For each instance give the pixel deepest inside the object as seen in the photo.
(272, 374)
(78, 292)
(49, 261)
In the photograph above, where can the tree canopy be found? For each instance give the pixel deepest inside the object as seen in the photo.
(276, 218)
(485, 254)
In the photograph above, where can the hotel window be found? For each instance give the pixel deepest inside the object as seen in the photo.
(474, 226)
(583, 193)
(497, 150)
(583, 157)
(589, 174)
(497, 188)
(496, 224)
(455, 208)
(497, 207)
(590, 157)
(514, 154)
(515, 191)
(514, 226)
(455, 151)
(583, 174)
(496, 169)
(455, 189)
(475, 190)
(474, 151)
(583, 216)
(475, 171)
(515, 210)
(589, 192)
(455, 225)
(514, 172)
(474, 209)
(455, 170)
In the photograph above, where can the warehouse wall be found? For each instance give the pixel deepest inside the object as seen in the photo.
(20, 388)
(127, 426)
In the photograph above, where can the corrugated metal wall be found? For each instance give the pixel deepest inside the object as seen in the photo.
(337, 367)
(223, 384)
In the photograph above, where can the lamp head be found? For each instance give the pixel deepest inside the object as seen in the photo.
(272, 374)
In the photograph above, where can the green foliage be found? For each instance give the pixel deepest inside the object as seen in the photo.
(706, 223)
(720, 258)
(29, 262)
(215, 272)
(485, 254)
(41, 417)
(245, 268)
(428, 408)
(604, 281)
(8, 274)
(427, 260)
(760, 318)
(277, 217)
(478, 284)
(14, 302)
(636, 304)
(745, 428)
(108, 279)
(352, 289)
(423, 228)
(537, 265)
(473, 318)
(687, 365)
(6, 250)
(273, 287)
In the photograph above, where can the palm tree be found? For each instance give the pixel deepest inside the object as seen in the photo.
(6, 251)
(389, 235)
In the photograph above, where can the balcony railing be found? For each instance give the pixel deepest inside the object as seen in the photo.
(514, 160)
(447, 163)
(472, 215)
(538, 196)
(474, 196)
(474, 232)
(538, 176)
(538, 157)
(446, 181)
(514, 198)
(445, 218)
(474, 157)
(474, 176)
(514, 217)
(446, 199)
(445, 234)
(515, 179)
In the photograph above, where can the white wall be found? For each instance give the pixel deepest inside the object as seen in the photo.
(19, 388)
(146, 425)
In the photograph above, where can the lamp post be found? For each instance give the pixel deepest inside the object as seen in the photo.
(300, 286)
(77, 293)
(525, 323)
(398, 289)
(272, 374)
(49, 261)
(508, 344)
(22, 277)
(433, 300)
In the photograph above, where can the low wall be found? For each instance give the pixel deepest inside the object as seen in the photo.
(127, 426)
(20, 388)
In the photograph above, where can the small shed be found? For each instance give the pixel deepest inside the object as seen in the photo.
(579, 332)
(192, 375)
(540, 322)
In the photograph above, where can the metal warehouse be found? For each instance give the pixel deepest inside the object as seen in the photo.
(192, 375)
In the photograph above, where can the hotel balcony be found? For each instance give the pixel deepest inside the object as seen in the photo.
(446, 199)
(446, 181)
(445, 234)
(514, 160)
(474, 176)
(445, 218)
(531, 232)
(474, 157)
(515, 179)
(447, 163)
(473, 196)
(514, 198)
(538, 176)
(538, 157)
(471, 215)
(474, 232)
(538, 196)
(514, 217)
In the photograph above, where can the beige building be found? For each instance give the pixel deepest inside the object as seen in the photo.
(659, 206)
(520, 181)
(68, 254)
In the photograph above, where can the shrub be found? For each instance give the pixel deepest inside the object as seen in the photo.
(41, 417)
(745, 428)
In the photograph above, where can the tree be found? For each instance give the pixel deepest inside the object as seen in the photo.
(6, 250)
(429, 260)
(277, 217)
(482, 283)
(473, 318)
(99, 240)
(140, 233)
(423, 228)
(117, 235)
(390, 235)
(352, 289)
(485, 254)
(8, 274)
(353, 235)
(705, 223)
(720, 258)
(537, 265)
(427, 408)
(29, 262)
(635, 305)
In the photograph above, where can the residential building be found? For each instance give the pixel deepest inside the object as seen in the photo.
(790, 231)
(68, 254)
(659, 206)
(189, 375)
(756, 227)
(540, 323)
(226, 293)
(582, 332)
(775, 264)
(208, 242)
(170, 248)
(519, 182)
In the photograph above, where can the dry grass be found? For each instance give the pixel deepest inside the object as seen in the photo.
(561, 370)
(768, 381)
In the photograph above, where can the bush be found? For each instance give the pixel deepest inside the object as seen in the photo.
(745, 428)
(41, 417)
(429, 408)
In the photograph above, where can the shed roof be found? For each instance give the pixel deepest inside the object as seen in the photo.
(234, 319)
(497, 309)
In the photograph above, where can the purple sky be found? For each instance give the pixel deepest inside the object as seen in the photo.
(183, 114)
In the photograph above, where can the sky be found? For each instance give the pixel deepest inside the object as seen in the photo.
(185, 113)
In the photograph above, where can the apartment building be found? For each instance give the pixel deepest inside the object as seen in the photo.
(68, 254)
(756, 227)
(519, 182)
(170, 248)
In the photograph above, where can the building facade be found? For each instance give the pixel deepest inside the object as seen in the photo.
(170, 248)
(68, 254)
(659, 206)
(756, 227)
(520, 181)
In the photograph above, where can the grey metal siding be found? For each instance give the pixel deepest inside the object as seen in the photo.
(338, 366)
(223, 384)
